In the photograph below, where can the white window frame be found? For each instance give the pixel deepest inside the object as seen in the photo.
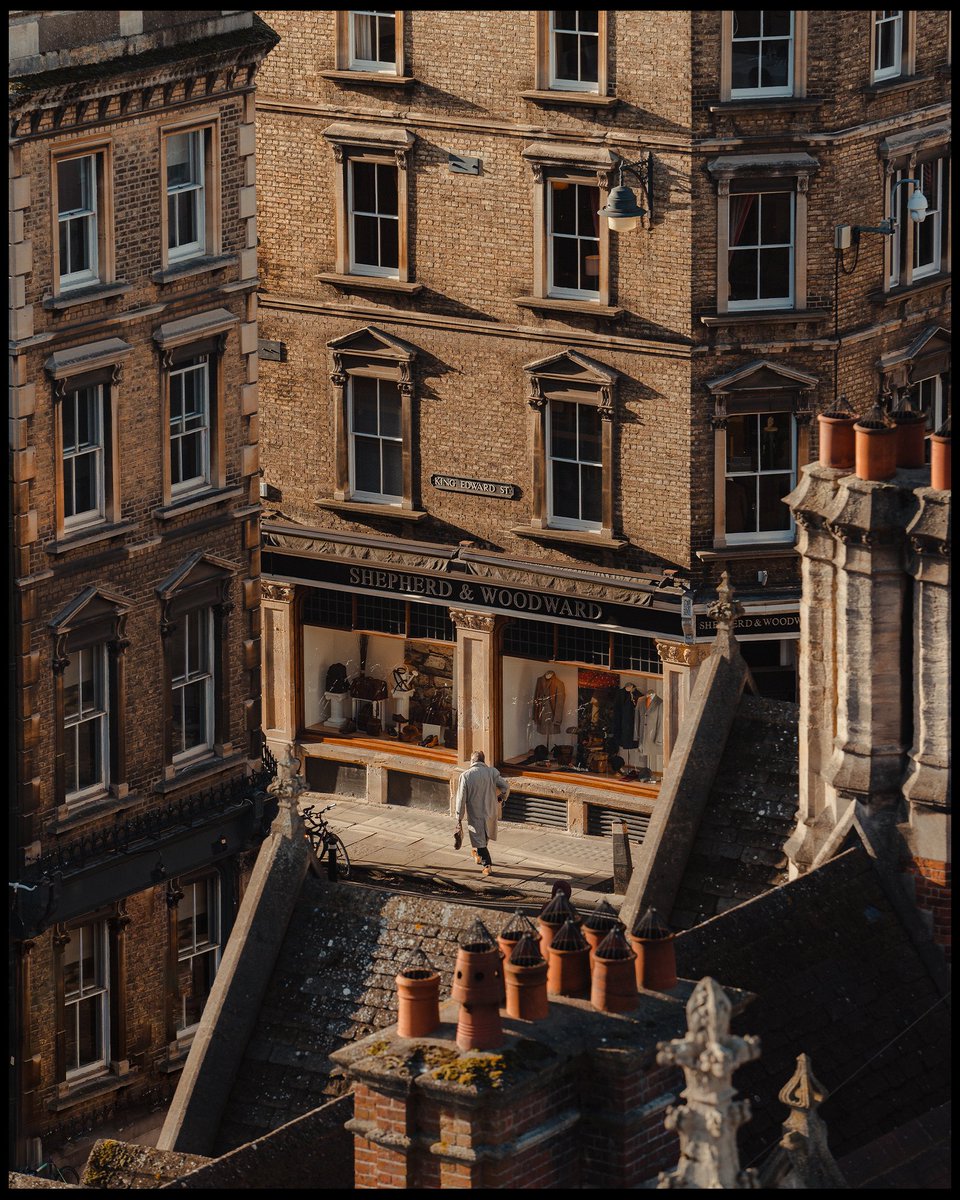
(928, 396)
(358, 268)
(572, 85)
(89, 214)
(373, 497)
(555, 521)
(186, 675)
(882, 17)
(563, 292)
(761, 535)
(97, 993)
(90, 662)
(212, 945)
(376, 65)
(932, 221)
(198, 367)
(91, 449)
(769, 92)
(180, 251)
(765, 302)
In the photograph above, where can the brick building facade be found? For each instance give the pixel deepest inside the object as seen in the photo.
(509, 446)
(135, 795)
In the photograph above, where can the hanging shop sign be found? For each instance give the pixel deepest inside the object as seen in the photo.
(754, 625)
(475, 487)
(471, 592)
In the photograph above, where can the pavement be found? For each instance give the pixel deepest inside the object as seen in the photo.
(396, 846)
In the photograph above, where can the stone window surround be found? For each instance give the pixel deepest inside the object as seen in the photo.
(387, 146)
(733, 394)
(94, 618)
(926, 356)
(749, 172)
(800, 25)
(373, 354)
(176, 341)
(908, 48)
(904, 152)
(102, 149)
(342, 53)
(555, 162)
(575, 378)
(202, 581)
(207, 123)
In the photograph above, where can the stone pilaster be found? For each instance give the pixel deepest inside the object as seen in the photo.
(681, 661)
(819, 810)
(281, 678)
(479, 684)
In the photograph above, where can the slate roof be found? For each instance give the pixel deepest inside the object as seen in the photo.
(836, 975)
(750, 813)
(333, 983)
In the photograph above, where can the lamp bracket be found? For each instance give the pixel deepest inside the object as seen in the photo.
(641, 170)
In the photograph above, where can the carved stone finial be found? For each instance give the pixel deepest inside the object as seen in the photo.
(288, 784)
(726, 608)
(803, 1158)
(707, 1122)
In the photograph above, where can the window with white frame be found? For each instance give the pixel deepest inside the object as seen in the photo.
(190, 424)
(376, 440)
(186, 198)
(82, 466)
(760, 269)
(85, 723)
(374, 219)
(929, 397)
(77, 220)
(887, 44)
(760, 471)
(373, 41)
(198, 949)
(574, 466)
(762, 53)
(927, 235)
(191, 654)
(86, 999)
(575, 50)
(573, 234)
(921, 244)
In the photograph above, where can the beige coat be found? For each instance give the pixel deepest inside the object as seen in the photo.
(477, 791)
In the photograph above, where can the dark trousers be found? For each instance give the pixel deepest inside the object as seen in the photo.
(484, 855)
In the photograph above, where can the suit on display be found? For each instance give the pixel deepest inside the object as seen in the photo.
(649, 730)
(548, 700)
(625, 717)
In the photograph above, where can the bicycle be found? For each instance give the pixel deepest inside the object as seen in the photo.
(325, 843)
(50, 1170)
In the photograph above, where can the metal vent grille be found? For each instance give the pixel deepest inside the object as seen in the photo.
(536, 810)
(602, 821)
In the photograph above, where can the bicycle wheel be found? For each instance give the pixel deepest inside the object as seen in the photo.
(343, 858)
(68, 1174)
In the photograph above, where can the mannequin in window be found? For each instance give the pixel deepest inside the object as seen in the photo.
(652, 743)
(403, 677)
(548, 700)
(624, 717)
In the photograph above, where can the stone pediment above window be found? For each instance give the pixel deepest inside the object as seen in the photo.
(793, 165)
(201, 580)
(916, 141)
(571, 375)
(928, 354)
(762, 386)
(91, 617)
(595, 160)
(386, 138)
(372, 349)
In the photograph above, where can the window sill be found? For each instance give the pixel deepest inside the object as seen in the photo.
(377, 78)
(70, 1094)
(586, 308)
(369, 283)
(69, 817)
(775, 104)
(177, 1054)
(758, 550)
(899, 83)
(202, 265)
(86, 295)
(904, 291)
(101, 533)
(761, 316)
(575, 537)
(359, 508)
(204, 768)
(190, 503)
(561, 97)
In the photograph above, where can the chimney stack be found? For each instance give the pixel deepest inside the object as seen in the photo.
(478, 985)
(418, 997)
(525, 975)
(656, 962)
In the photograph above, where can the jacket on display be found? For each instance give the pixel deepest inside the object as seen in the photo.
(624, 718)
(548, 700)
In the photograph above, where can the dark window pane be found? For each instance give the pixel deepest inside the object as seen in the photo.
(65, 247)
(567, 54)
(190, 457)
(89, 1015)
(741, 504)
(384, 616)
(774, 273)
(78, 251)
(589, 265)
(88, 754)
(365, 246)
(742, 443)
(70, 188)
(588, 59)
(565, 263)
(529, 639)
(84, 484)
(583, 645)
(194, 712)
(745, 64)
(323, 606)
(588, 21)
(588, 218)
(387, 40)
(366, 457)
(186, 203)
(365, 408)
(743, 220)
(563, 429)
(389, 243)
(774, 515)
(776, 23)
(591, 494)
(564, 207)
(387, 190)
(389, 409)
(775, 442)
(589, 422)
(69, 422)
(392, 469)
(566, 19)
(746, 23)
(364, 187)
(566, 490)
(742, 275)
(775, 208)
(774, 66)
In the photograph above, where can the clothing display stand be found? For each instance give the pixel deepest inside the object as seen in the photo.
(337, 701)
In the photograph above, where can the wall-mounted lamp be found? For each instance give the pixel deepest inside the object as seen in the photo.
(847, 235)
(219, 845)
(621, 209)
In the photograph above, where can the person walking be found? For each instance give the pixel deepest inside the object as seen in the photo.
(481, 790)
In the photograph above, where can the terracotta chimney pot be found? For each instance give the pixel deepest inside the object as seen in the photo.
(553, 914)
(525, 973)
(614, 985)
(656, 961)
(418, 998)
(875, 448)
(940, 458)
(478, 985)
(598, 923)
(911, 435)
(568, 971)
(836, 437)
